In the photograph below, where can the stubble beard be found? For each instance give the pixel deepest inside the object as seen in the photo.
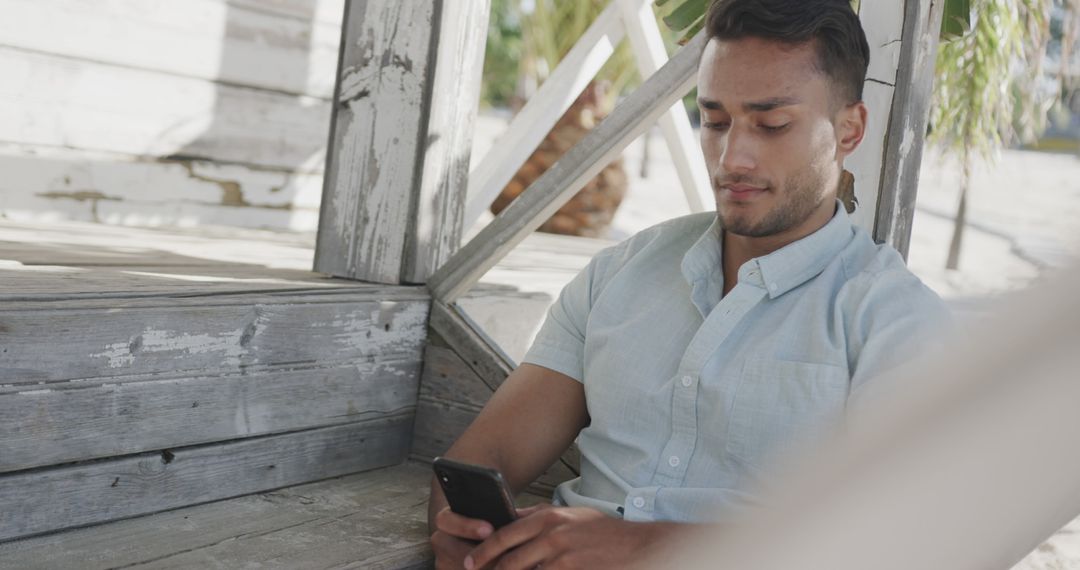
(800, 197)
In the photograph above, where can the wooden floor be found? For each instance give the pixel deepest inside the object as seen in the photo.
(371, 520)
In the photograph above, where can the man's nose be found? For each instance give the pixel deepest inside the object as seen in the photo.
(739, 152)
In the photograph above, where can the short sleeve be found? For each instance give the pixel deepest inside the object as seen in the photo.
(560, 344)
(898, 320)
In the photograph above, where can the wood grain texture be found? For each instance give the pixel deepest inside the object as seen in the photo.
(629, 119)
(883, 24)
(75, 495)
(76, 421)
(907, 123)
(376, 139)
(439, 207)
(449, 326)
(224, 41)
(371, 520)
(49, 183)
(51, 101)
(219, 334)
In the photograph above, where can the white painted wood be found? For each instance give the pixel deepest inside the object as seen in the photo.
(569, 174)
(76, 421)
(452, 98)
(530, 126)
(907, 123)
(289, 48)
(222, 334)
(371, 520)
(376, 139)
(86, 493)
(43, 182)
(883, 23)
(368, 521)
(56, 102)
(650, 55)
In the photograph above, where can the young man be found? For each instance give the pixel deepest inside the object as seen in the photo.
(685, 357)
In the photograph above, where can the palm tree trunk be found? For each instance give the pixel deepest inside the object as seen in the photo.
(953, 262)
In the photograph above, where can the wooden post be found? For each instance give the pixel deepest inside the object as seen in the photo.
(907, 124)
(398, 158)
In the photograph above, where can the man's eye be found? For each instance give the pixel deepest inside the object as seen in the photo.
(774, 129)
(721, 126)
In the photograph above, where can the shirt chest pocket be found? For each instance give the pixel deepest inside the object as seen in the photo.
(780, 405)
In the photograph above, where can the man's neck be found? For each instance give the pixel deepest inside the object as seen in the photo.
(740, 249)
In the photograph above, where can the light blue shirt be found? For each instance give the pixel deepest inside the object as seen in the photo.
(689, 392)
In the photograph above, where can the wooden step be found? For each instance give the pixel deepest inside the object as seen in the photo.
(373, 520)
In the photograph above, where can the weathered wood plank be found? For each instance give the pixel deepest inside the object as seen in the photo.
(436, 226)
(449, 326)
(569, 174)
(371, 520)
(104, 302)
(42, 500)
(52, 101)
(75, 421)
(376, 137)
(398, 162)
(883, 24)
(577, 68)
(907, 123)
(128, 189)
(291, 49)
(222, 335)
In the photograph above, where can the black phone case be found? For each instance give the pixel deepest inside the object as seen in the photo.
(475, 492)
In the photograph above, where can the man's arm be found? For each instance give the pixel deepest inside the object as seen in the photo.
(528, 423)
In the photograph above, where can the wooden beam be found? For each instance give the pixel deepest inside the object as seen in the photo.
(398, 157)
(75, 422)
(556, 186)
(43, 500)
(452, 100)
(467, 340)
(542, 111)
(907, 124)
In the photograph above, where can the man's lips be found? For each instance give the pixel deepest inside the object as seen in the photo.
(742, 190)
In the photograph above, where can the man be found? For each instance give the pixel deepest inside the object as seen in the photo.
(685, 357)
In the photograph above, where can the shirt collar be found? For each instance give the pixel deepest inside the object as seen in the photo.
(777, 272)
(802, 260)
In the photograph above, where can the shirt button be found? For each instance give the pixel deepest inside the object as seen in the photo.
(772, 287)
(687, 381)
(673, 461)
(639, 502)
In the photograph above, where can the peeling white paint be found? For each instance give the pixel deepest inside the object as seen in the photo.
(150, 340)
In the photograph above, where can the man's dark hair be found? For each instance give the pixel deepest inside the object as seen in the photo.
(843, 54)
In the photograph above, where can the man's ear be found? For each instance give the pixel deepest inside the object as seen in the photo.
(850, 128)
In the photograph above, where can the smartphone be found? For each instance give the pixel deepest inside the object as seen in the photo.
(475, 491)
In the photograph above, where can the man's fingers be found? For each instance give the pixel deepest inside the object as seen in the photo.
(528, 556)
(449, 551)
(462, 527)
(507, 537)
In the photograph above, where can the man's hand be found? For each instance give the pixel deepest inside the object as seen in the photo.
(567, 537)
(455, 536)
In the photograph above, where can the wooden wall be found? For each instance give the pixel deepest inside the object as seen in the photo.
(151, 112)
(113, 407)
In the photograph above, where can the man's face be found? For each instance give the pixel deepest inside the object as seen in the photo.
(770, 135)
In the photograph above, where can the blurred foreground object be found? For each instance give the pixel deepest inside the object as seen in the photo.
(964, 462)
